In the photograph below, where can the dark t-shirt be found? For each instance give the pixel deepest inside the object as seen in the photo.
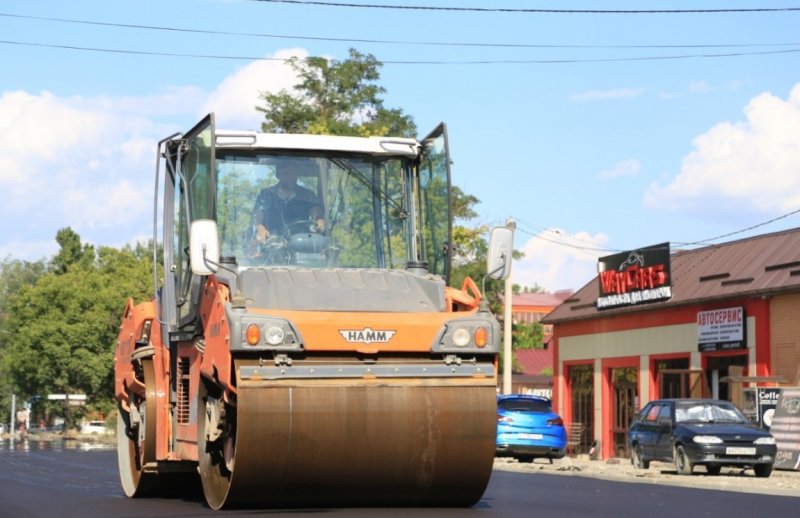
(275, 212)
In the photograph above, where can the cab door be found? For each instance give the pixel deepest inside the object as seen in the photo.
(189, 194)
(434, 218)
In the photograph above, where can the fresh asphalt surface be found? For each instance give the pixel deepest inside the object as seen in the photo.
(51, 480)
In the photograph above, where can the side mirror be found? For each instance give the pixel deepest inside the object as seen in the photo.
(203, 247)
(501, 246)
(666, 422)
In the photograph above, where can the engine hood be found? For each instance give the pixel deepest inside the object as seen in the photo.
(305, 289)
(724, 429)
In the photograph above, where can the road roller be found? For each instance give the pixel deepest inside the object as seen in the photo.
(302, 347)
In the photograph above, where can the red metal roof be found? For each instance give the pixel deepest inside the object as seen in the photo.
(761, 265)
(533, 361)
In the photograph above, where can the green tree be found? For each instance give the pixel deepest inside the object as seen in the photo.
(64, 326)
(15, 274)
(334, 98)
(528, 336)
(72, 251)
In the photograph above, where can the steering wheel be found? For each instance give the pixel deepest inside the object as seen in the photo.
(271, 251)
(302, 226)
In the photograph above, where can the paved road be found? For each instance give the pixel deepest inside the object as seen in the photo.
(47, 480)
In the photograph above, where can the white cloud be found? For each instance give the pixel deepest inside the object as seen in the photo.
(750, 165)
(622, 169)
(88, 162)
(79, 162)
(606, 95)
(236, 97)
(556, 260)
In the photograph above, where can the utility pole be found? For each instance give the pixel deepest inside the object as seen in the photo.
(13, 421)
(507, 289)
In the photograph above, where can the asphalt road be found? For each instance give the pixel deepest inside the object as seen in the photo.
(50, 480)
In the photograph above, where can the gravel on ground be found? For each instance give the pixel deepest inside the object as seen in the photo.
(781, 482)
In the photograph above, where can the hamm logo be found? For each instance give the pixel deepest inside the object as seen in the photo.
(366, 335)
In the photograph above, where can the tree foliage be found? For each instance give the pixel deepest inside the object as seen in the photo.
(62, 327)
(15, 274)
(334, 98)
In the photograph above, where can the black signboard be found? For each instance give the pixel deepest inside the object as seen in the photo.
(634, 277)
(786, 429)
(767, 403)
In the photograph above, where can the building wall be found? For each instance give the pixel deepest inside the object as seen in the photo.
(785, 337)
(636, 347)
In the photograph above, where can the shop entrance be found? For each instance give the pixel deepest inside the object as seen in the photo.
(717, 368)
(625, 383)
(671, 379)
(581, 384)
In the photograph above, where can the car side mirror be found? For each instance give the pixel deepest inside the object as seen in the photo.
(664, 421)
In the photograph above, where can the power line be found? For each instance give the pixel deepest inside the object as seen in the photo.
(536, 11)
(773, 220)
(390, 42)
(561, 242)
(595, 248)
(418, 62)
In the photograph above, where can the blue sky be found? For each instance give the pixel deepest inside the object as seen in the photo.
(568, 124)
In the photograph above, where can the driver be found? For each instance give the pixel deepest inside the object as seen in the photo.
(284, 203)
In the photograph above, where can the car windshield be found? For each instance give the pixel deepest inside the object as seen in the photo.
(708, 412)
(524, 405)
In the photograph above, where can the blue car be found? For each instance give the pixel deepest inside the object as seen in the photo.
(528, 428)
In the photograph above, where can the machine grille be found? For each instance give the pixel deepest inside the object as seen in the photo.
(183, 391)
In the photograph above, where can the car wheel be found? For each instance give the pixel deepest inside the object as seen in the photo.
(763, 470)
(682, 463)
(525, 458)
(636, 458)
(713, 469)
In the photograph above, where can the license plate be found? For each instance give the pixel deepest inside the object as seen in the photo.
(531, 436)
(732, 450)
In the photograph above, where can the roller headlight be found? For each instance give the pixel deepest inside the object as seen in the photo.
(275, 335)
(461, 337)
(765, 440)
(468, 335)
(257, 332)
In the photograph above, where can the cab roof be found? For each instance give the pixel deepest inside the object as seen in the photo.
(378, 146)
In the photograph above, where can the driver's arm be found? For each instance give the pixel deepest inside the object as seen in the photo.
(316, 215)
(261, 233)
(260, 216)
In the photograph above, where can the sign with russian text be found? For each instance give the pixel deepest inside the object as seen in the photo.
(786, 429)
(635, 277)
(720, 329)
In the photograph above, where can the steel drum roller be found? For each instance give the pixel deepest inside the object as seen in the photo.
(357, 443)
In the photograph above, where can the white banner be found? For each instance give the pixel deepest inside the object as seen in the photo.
(720, 328)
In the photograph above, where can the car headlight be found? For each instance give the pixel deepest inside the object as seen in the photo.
(765, 440)
(707, 439)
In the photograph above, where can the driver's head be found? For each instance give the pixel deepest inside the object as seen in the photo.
(288, 172)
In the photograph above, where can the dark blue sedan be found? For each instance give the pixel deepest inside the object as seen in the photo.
(528, 428)
(699, 432)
